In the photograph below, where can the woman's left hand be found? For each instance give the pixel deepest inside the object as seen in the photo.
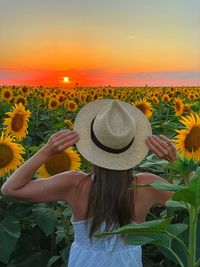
(162, 147)
(61, 140)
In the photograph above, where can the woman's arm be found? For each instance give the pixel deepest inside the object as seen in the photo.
(20, 185)
(155, 196)
(164, 149)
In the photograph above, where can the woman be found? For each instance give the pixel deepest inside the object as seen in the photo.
(114, 136)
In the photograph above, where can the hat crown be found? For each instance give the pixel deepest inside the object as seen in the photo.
(113, 126)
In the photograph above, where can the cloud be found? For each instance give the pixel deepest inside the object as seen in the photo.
(131, 37)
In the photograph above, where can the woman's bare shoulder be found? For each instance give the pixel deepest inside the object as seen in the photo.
(158, 196)
(78, 175)
(147, 178)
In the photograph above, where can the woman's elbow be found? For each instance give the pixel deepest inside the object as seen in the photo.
(5, 191)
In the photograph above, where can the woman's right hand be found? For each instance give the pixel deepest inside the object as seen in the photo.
(61, 140)
(162, 147)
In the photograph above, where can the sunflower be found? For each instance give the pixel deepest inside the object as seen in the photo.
(186, 109)
(110, 91)
(17, 123)
(155, 100)
(178, 106)
(61, 98)
(188, 140)
(118, 96)
(191, 96)
(53, 104)
(165, 98)
(88, 98)
(72, 94)
(145, 107)
(21, 99)
(69, 123)
(25, 90)
(10, 154)
(61, 162)
(71, 105)
(82, 99)
(95, 97)
(7, 94)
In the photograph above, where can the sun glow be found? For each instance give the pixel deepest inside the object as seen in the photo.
(66, 79)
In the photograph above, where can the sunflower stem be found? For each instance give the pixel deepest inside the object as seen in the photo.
(192, 236)
(170, 180)
(1, 181)
(55, 204)
(65, 225)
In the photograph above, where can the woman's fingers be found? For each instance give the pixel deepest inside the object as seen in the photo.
(162, 147)
(62, 140)
(67, 139)
(67, 143)
(151, 144)
(158, 146)
(62, 134)
(165, 139)
(172, 148)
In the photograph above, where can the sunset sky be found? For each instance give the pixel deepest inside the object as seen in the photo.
(104, 42)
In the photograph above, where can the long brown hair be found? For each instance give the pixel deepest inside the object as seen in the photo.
(109, 198)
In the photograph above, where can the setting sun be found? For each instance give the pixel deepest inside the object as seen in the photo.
(66, 79)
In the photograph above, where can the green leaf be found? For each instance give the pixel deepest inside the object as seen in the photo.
(150, 226)
(184, 195)
(46, 218)
(175, 204)
(60, 234)
(191, 194)
(9, 234)
(177, 229)
(194, 187)
(58, 125)
(52, 260)
(183, 166)
(140, 238)
(33, 149)
(166, 186)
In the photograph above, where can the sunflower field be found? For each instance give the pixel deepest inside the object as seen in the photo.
(41, 234)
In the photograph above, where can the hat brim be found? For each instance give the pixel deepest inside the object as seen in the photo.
(98, 156)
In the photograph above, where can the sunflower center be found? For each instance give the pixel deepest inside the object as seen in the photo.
(53, 104)
(20, 100)
(61, 98)
(6, 155)
(178, 106)
(58, 163)
(17, 122)
(192, 141)
(7, 94)
(71, 106)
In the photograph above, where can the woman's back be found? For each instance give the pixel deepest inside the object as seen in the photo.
(143, 198)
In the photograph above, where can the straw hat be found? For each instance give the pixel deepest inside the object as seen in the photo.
(112, 134)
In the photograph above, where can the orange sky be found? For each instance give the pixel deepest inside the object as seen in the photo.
(93, 42)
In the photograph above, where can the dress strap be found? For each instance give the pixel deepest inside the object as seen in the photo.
(92, 176)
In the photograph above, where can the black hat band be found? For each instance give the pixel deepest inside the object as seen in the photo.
(106, 148)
